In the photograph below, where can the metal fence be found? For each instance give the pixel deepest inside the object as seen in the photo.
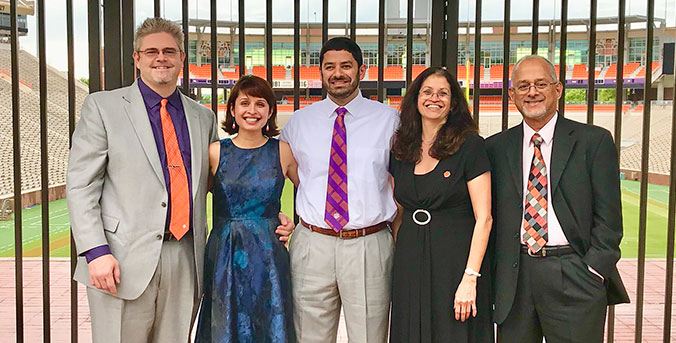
(119, 70)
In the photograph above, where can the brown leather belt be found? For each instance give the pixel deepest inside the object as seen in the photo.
(346, 234)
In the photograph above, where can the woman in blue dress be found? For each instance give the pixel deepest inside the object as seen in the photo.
(247, 296)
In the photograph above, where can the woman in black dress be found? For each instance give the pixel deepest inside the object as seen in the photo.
(441, 276)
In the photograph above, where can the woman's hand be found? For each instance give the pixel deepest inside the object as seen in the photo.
(465, 298)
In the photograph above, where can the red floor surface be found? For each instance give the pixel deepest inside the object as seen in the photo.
(653, 310)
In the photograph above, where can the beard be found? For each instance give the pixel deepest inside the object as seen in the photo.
(341, 92)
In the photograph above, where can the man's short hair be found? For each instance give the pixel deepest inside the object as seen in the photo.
(342, 43)
(157, 25)
(550, 66)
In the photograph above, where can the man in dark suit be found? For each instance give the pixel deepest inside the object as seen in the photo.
(557, 218)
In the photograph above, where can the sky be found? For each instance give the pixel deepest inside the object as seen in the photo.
(367, 11)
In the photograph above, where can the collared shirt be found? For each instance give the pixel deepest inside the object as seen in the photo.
(369, 126)
(175, 108)
(556, 235)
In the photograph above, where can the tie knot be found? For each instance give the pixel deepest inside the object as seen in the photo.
(163, 102)
(341, 111)
(537, 139)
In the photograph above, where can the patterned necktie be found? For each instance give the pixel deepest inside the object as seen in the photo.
(179, 221)
(535, 209)
(336, 212)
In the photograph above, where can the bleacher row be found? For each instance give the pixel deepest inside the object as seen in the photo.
(29, 105)
(494, 73)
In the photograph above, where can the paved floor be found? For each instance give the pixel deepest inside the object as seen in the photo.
(60, 303)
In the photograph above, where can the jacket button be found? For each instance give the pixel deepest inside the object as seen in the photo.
(164, 204)
(159, 237)
(515, 264)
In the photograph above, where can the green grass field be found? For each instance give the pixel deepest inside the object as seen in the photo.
(60, 238)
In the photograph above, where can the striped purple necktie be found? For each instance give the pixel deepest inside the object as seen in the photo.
(336, 212)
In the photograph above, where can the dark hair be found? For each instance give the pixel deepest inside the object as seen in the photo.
(252, 86)
(342, 43)
(407, 140)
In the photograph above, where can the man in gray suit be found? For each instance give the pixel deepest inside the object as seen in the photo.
(136, 191)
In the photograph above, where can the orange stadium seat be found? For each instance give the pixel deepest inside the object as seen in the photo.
(611, 73)
(416, 69)
(579, 71)
(278, 73)
(373, 73)
(630, 68)
(260, 71)
(233, 75)
(394, 73)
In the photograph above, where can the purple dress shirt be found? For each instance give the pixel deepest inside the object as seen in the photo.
(175, 109)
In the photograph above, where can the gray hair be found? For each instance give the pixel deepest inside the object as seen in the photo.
(552, 69)
(158, 25)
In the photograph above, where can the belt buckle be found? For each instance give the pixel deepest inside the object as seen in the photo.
(541, 253)
(424, 222)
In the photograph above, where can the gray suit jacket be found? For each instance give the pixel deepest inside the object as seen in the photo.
(115, 187)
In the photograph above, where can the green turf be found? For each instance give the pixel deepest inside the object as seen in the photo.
(59, 239)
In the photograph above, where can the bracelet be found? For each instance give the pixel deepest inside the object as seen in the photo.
(471, 272)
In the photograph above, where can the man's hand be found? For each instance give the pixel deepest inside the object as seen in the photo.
(104, 273)
(285, 228)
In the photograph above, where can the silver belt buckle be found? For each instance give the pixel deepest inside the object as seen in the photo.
(541, 253)
(424, 222)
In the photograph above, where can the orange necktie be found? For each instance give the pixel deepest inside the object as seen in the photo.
(179, 222)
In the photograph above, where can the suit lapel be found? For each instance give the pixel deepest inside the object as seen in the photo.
(564, 141)
(514, 154)
(138, 116)
(191, 117)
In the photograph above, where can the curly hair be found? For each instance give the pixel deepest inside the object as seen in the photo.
(407, 140)
(252, 86)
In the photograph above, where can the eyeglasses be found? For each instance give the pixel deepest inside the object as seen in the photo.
(153, 53)
(427, 93)
(540, 86)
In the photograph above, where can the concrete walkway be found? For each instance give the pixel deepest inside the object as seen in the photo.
(653, 309)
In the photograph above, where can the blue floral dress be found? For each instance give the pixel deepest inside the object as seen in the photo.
(247, 295)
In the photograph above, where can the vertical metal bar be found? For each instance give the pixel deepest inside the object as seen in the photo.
(268, 40)
(382, 41)
(241, 35)
(505, 64)
(325, 33)
(534, 28)
(214, 58)
(94, 24)
(128, 68)
(477, 61)
(296, 55)
(16, 134)
(71, 127)
(645, 153)
(437, 34)
(591, 62)
(325, 22)
(619, 83)
(44, 173)
(669, 282)
(452, 12)
(353, 20)
(156, 8)
(562, 55)
(186, 47)
(112, 59)
(409, 42)
(619, 78)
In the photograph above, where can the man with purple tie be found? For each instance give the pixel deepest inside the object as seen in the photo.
(341, 251)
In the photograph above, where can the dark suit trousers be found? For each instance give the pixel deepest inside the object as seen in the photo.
(556, 297)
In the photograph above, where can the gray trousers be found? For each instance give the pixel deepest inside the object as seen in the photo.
(328, 272)
(164, 312)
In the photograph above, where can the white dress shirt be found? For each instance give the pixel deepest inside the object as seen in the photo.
(369, 126)
(555, 233)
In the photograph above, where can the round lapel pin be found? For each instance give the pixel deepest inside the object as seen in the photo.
(447, 174)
